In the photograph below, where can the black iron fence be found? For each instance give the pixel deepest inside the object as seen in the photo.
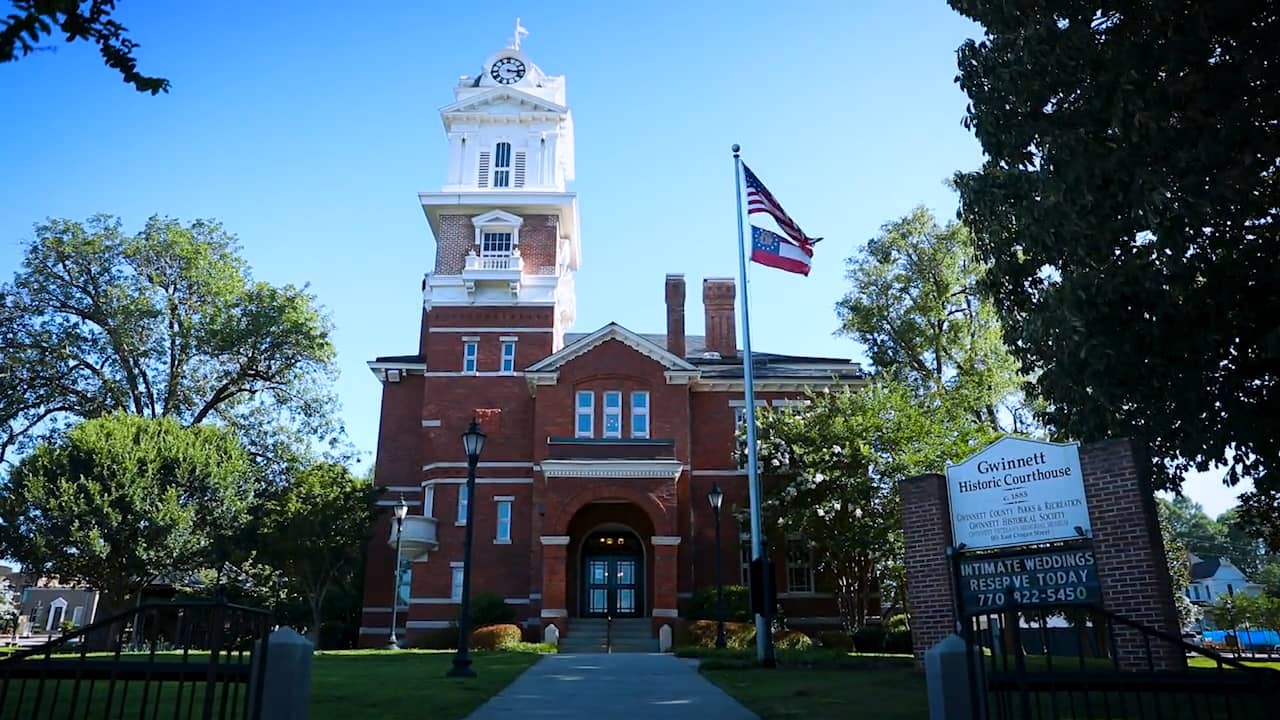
(170, 660)
(1074, 662)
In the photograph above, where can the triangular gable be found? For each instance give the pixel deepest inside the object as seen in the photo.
(612, 331)
(496, 96)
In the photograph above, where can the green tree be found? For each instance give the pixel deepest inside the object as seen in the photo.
(164, 323)
(8, 607)
(1127, 211)
(1269, 578)
(831, 470)
(120, 501)
(314, 533)
(1178, 558)
(33, 21)
(1208, 538)
(916, 306)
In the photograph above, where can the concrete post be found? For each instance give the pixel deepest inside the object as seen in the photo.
(664, 639)
(286, 682)
(551, 634)
(947, 681)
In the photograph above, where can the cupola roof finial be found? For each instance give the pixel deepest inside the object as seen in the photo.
(520, 32)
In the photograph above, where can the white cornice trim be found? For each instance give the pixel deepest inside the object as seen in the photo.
(481, 464)
(554, 539)
(375, 365)
(479, 481)
(770, 385)
(612, 331)
(553, 613)
(718, 473)
(472, 103)
(665, 613)
(682, 377)
(612, 469)
(665, 539)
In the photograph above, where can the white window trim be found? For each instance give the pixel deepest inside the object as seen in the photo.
(461, 520)
(508, 345)
(471, 352)
(589, 411)
(608, 411)
(454, 574)
(509, 501)
(497, 221)
(648, 421)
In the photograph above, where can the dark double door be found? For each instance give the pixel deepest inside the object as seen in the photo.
(612, 586)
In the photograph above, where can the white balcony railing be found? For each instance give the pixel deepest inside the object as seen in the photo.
(495, 262)
(419, 537)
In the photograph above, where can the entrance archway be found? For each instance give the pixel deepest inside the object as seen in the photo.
(612, 568)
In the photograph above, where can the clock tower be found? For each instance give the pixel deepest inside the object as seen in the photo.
(506, 227)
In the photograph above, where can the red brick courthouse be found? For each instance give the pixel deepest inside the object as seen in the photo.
(591, 495)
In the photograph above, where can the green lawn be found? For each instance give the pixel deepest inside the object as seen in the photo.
(345, 685)
(883, 694)
(1207, 663)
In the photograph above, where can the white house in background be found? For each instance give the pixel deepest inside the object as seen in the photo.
(1215, 578)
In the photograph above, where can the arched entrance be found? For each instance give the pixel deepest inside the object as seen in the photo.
(613, 574)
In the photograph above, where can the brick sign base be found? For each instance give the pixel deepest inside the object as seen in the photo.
(1126, 538)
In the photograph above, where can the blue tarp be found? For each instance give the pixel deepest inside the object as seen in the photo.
(1249, 639)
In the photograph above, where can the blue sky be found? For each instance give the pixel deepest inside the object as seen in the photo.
(307, 128)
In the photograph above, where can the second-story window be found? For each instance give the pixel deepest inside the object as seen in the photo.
(469, 354)
(495, 250)
(584, 426)
(502, 165)
(612, 414)
(502, 533)
(640, 414)
(463, 500)
(508, 357)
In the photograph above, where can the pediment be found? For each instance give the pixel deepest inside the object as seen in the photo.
(503, 101)
(612, 331)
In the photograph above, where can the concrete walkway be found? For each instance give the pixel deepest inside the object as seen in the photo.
(623, 686)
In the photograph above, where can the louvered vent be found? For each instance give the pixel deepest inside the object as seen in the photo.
(519, 169)
(483, 179)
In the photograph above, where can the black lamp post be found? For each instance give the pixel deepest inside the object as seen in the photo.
(716, 497)
(472, 443)
(401, 510)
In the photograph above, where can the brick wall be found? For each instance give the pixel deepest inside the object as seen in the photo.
(1127, 549)
(539, 238)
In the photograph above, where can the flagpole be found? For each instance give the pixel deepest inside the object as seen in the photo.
(759, 550)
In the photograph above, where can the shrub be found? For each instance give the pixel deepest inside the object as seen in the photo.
(897, 641)
(869, 638)
(530, 647)
(436, 639)
(490, 609)
(897, 622)
(836, 640)
(495, 637)
(702, 633)
(737, 604)
(792, 640)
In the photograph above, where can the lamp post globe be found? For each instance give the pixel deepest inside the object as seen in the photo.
(716, 498)
(472, 444)
(401, 510)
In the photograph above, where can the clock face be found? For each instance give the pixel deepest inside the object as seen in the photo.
(507, 70)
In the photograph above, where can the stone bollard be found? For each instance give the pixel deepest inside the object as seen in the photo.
(551, 634)
(664, 638)
(286, 684)
(947, 679)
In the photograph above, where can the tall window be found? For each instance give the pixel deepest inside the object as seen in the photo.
(503, 534)
(508, 357)
(586, 414)
(612, 414)
(640, 414)
(799, 566)
(739, 440)
(463, 501)
(744, 559)
(455, 589)
(502, 165)
(428, 501)
(469, 353)
(403, 583)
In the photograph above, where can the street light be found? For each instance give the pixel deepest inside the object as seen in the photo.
(716, 498)
(472, 443)
(401, 510)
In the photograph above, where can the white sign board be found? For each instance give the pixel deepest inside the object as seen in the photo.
(1017, 492)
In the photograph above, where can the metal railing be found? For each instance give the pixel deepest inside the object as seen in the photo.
(179, 660)
(1087, 662)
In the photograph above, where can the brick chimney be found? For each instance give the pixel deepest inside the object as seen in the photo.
(675, 315)
(718, 295)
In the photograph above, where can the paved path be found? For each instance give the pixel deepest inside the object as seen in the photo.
(621, 686)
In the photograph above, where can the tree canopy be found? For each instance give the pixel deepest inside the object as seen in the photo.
(915, 304)
(164, 323)
(33, 21)
(1127, 209)
(120, 501)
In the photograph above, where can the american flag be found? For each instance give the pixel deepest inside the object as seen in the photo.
(760, 200)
